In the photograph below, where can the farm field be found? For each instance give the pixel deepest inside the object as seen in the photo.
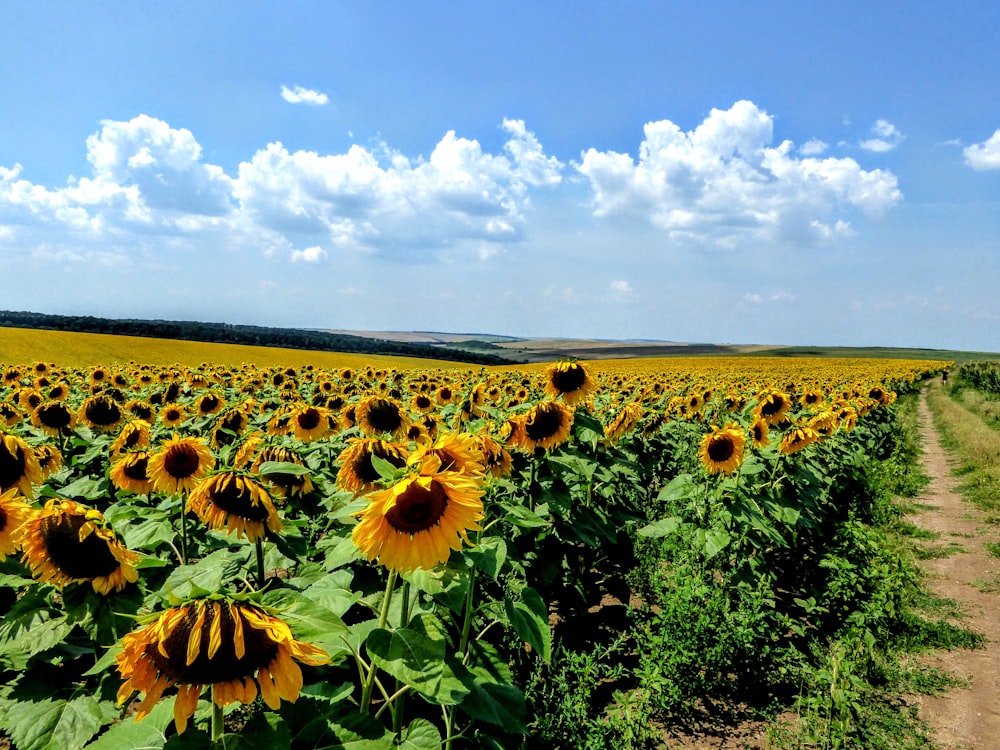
(360, 552)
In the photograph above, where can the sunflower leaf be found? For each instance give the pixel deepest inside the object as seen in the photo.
(419, 661)
(56, 724)
(661, 528)
(148, 734)
(206, 575)
(420, 735)
(530, 619)
(268, 468)
(489, 555)
(310, 621)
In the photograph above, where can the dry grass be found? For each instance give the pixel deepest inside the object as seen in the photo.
(976, 443)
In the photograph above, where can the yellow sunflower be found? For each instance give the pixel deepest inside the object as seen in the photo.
(569, 380)
(66, 542)
(772, 407)
(208, 404)
(546, 425)
(54, 418)
(10, 415)
(237, 503)
(377, 415)
(49, 459)
(759, 433)
(721, 450)
(129, 472)
(133, 436)
(496, 459)
(179, 464)
(419, 520)
(357, 474)
(235, 647)
(457, 451)
(798, 438)
(284, 485)
(14, 512)
(624, 421)
(309, 423)
(100, 413)
(173, 415)
(18, 465)
(421, 403)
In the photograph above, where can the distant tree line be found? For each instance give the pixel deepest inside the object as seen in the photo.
(225, 333)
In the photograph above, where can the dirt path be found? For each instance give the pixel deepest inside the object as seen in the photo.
(966, 718)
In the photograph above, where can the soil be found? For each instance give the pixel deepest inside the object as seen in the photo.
(964, 718)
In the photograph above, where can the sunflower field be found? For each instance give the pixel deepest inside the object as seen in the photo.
(569, 555)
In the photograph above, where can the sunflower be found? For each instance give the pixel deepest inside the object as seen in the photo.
(357, 474)
(377, 415)
(772, 407)
(457, 451)
(208, 404)
(546, 425)
(66, 542)
(309, 423)
(100, 413)
(49, 459)
(18, 465)
(759, 433)
(284, 485)
(54, 418)
(445, 395)
(235, 647)
(569, 380)
(825, 422)
(798, 438)
(10, 415)
(237, 503)
(421, 403)
(419, 520)
(173, 415)
(721, 450)
(131, 472)
(133, 436)
(496, 459)
(14, 512)
(624, 421)
(179, 464)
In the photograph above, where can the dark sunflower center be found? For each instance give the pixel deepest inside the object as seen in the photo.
(181, 461)
(135, 468)
(721, 449)
(88, 559)
(3, 519)
(102, 412)
(384, 416)
(422, 402)
(235, 497)
(418, 509)
(445, 394)
(570, 379)
(308, 419)
(208, 403)
(54, 416)
(224, 666)
(546, 422)
(173, 415)
(11, 466)
(772, 407)
(142, 411)
(758, 432)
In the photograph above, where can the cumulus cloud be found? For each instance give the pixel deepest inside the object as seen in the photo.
(886, 137)
(813, 147)
(310, 255)
(300, 95)
(621, 287)
(985, 155)
(723, 183)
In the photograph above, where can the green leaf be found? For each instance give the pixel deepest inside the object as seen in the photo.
(420, 735)
(446, 583)
(324, 718)
(282, 467)
(147, 734)
(56, 724)
(206, 575)
(149, 534)
(263, 730)
(489, 555)
(339, 551)
(310, 621)
(417, 660)
(385, 470)
(680, 488)
(530, 619)
(661, 528)
(522, 517)
(86, 488)
(716, 540)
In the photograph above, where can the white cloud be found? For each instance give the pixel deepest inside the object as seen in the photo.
(753, 298)
(621, 287)
(723, 183)
(813, 147)
(300, 95)
(782, 297)
(985, 155)
(887, 137)
(310, 255)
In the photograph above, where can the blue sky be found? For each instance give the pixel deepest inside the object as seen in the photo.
(742, 172)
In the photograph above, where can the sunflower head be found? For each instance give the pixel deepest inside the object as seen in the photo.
(66, 542)
(546, 425)
(759, 433)
(49, 459)
(721, 450)
(236, 647)
(18, 465)
(283, 485)
(131, 472)
(772, 407)
(14, 512)
(624, 421)
(100, 413)
(569, 380)
(135, 435)
(456, 451)
(236, 503)
(179, 464)
(357, 472)
(54, 418)
(309, 423)
(798, 438)
(378, 415)
(416, 522)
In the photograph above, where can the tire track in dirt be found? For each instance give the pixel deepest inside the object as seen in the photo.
(965, 718)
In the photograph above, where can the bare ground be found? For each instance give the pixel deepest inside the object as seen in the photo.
(965, 718)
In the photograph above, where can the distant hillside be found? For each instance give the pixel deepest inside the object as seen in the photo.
(289, 338)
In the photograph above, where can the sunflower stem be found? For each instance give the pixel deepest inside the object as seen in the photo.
(184, 545)
(259, 544)
(463, 647)
(397, 711)
(366, 690)
(217, 719)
